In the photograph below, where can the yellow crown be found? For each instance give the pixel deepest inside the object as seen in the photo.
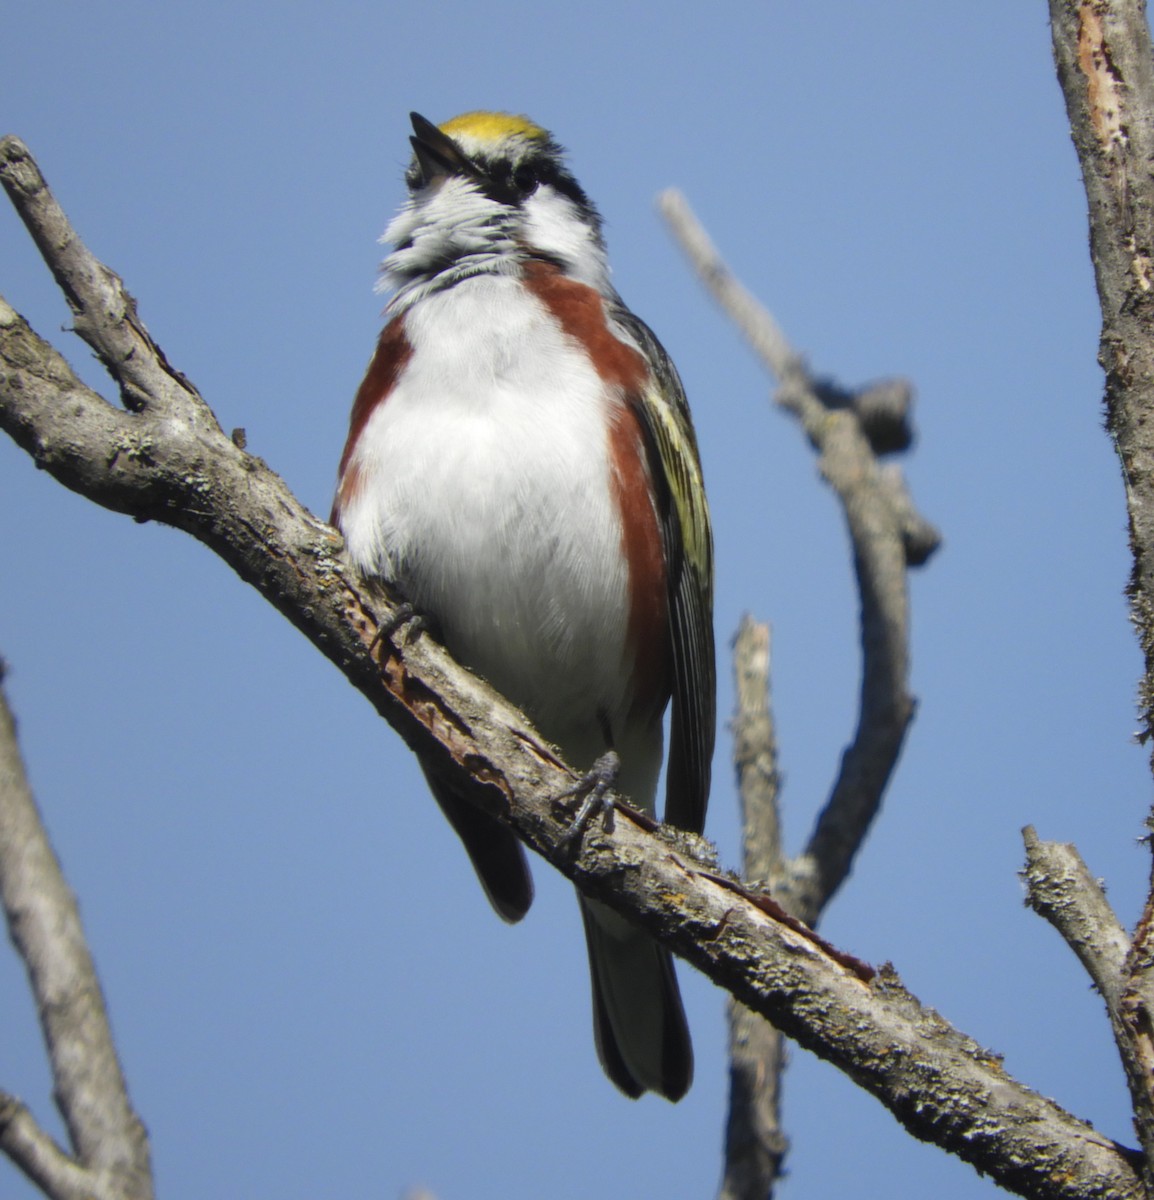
(493, 127)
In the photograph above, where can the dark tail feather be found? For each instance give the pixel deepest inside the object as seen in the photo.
(638, 1020)
(496, 854)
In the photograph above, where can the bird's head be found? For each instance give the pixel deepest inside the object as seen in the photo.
(487, 192)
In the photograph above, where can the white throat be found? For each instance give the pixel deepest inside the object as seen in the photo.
(454, 231)
(443, 235)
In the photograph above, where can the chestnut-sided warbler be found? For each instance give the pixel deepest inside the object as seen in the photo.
(521, 466)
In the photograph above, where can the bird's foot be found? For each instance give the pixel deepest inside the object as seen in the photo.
(592, 789)
(405, 617)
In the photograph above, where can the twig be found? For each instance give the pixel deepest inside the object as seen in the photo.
(755, 754)
(108, 1140)
(1060, 888)
(938, 1083)
(743, 308)
(105, 314)
(55, 1173)
(755, 1143)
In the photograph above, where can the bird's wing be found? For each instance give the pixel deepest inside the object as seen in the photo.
(684, 516)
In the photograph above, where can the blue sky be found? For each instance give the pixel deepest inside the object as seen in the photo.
(310, 994)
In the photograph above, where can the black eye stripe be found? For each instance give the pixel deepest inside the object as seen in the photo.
(568, 186)
(511, 182)
(524, 177)
(529, 174)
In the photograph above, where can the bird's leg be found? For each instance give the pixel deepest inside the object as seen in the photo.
(593, 790)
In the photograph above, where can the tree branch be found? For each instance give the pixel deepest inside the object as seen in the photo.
(107, 1137)
(755, 1142)
(1105, 64)
(848, 429)
(1060, 888)
(1105, 67)
(105, 314)
(941, 1085)
(56, 1174)
(887, 535)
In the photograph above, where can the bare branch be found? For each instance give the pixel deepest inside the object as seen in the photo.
(886, 707)
(941, 1086)
(1060, 888)
(56, 1174)
(105, 314)
(755, 754)
(848, 429)
(755, 1143)
(107, 1137)
(743, 308)
(1105, 63)
(1134, 1030)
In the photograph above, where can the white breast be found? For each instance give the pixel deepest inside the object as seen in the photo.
(484, 492)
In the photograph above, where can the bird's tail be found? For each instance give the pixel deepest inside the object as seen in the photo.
(496, 854)
(638, 1020)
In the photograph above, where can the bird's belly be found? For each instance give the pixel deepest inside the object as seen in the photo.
(485, 494)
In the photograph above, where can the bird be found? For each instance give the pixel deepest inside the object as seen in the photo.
(522, 468)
